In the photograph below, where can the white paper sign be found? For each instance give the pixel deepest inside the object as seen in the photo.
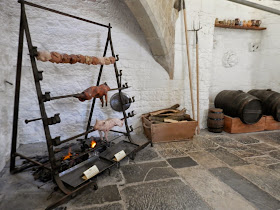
(120, 155)
(91, 172)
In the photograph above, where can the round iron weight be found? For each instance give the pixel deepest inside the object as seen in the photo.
(116, 104)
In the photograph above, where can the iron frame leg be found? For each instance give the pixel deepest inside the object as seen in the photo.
(97, 83)
(119, 86)
(17, 93)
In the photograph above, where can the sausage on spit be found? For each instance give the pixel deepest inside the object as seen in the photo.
(56, 57)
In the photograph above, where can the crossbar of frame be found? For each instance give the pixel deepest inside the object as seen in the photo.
(62, 13)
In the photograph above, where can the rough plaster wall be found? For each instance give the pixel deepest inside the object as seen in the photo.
(6, 90)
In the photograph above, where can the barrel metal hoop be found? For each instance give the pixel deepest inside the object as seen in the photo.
(215, 119)
(216, 112)
(252, 111)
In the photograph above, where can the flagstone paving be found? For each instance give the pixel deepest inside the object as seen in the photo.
(213, 171)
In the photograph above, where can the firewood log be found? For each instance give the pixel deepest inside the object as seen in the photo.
(170, 120)
(165, 112)
(179, 118)
(155, 118)
(174, 107)
(156, 122)
(178, 113)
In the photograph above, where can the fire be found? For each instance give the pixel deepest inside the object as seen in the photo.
(68, 156)
(92, 144)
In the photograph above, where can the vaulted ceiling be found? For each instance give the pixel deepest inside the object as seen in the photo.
(157, 19)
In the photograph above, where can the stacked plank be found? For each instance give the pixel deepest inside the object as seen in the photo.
(169, 115)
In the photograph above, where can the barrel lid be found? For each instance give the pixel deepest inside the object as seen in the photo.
(277, 113)
(216, 110)
(252, 112)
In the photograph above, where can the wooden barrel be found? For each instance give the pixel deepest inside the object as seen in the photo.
(270, 100)
(215, 121)
(236, 103)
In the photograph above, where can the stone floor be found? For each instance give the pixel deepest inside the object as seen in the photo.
(214, 171)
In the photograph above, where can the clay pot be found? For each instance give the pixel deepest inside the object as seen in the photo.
(237, 21)
(258, 23)
(216, 21)
(249, 23)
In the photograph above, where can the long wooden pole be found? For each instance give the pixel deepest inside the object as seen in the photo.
(197, 83)
(188, 56)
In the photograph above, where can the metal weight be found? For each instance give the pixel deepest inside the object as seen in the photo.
(116, 103)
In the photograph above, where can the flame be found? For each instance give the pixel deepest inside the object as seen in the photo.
(68, 156)
(92, 144)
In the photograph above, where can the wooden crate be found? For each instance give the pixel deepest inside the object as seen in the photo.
(165, 132)
(271, 124)
(235, 125)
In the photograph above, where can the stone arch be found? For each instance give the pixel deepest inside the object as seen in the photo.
(157, 20)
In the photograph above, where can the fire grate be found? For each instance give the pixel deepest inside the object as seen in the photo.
(66, 171)
(128, 148)
(73, 176)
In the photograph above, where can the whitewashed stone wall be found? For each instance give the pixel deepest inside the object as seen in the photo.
(268, 73)
(234, 44)
(254, 69)
(150, 82)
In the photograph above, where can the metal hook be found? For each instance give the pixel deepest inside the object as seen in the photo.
(125, 85)
(131, 100)
(9, 82)
(131, 114)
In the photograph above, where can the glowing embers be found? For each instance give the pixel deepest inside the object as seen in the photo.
(92, 144)
(69, 155)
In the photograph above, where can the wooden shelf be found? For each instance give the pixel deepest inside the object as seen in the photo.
(240, 27)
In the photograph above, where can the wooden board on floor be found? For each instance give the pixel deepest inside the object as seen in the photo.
(235, 125)
(271, 124)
